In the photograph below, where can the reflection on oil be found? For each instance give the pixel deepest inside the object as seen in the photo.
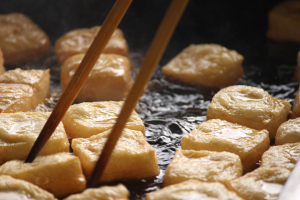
(170, 110)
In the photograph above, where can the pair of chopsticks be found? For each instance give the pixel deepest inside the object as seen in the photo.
(150, 62)
(110, 24)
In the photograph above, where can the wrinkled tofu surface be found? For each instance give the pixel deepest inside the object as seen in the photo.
(59, 174)
(79, 40)
(208, 65)
(288, 132)
(261, 184)
(284, 21)
(132, 159)
(11, 188)
(284, 156)
(193, 190)
(109, 80)
(203, 165)
(249, 106)
(18, 132)
(220, 135)
(86, 119)
(21, 40)
(23, 90)
(118, 192)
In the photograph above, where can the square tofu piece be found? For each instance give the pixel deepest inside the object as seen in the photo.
(193, 190)
(288, 132)
(79, 40)
(15, 98)
(21, 40)
(18, 132)
(261, 184)
(86, 119)
(59, 174)
(208, 166)
(284, 20)
(220, 135)
(118, 192)
(109, 80)
(284, 156)
(132, 159)
(249, 106)
(2, 68)
(11, 188)
(39, 80)
(208, 65)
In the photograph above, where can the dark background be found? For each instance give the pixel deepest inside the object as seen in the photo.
(239, 25)
(169, 110)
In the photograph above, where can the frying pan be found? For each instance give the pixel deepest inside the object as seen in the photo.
(170, 110)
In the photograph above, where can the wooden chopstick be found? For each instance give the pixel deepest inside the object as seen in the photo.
(152, 58)
(290, 190)
(110, 24)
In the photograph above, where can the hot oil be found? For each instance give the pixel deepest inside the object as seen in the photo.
(170, 110)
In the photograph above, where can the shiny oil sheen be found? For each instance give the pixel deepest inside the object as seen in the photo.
(170, 110)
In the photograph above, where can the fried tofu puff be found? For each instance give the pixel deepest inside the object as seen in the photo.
(132, 159)
(79, 40)
(2, 68)
(220, 135)
(15, 98)
(118, 192)
(208, 166)
(261, 184)
(23, 90)
(249, 106)
(18, 132)
(284, 156)
(284, 20)
(109, 80)
(11, 188)
(21, 40)
(288, 132)
(59, 174)
(86, 119)
(193, 190)
(208, 65)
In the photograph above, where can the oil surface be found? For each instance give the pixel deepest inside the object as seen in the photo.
(170, 110)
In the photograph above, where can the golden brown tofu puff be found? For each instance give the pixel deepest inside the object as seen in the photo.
(59, 174)
(21, 40)
(193, 190)
(284, 156)
(132, 159)
(11, 188)
(79, 40)
(109, 80)
(263, 183)
(288, 132)
(249, 106)
(220, 135)
(90, 118)
(205, 65)
(208, 166)
(284, 20)
(118, 192)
